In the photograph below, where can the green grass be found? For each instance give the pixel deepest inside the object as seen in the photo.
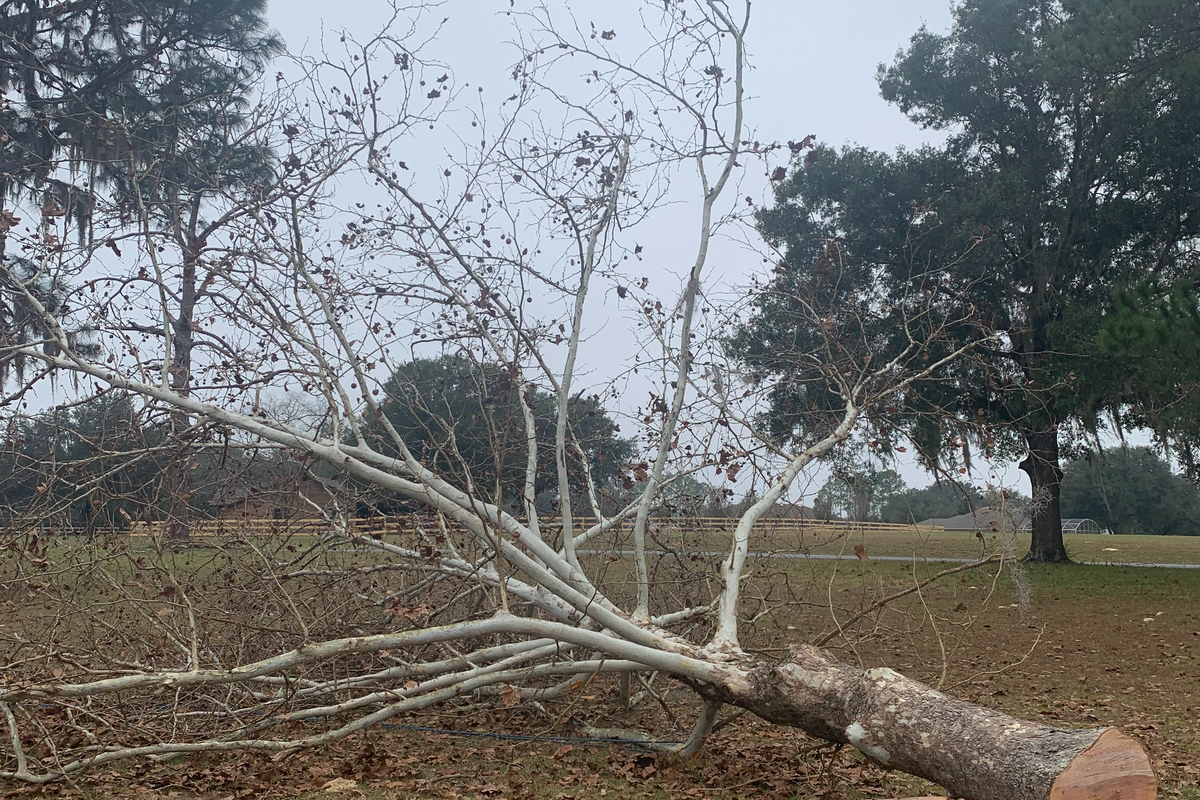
(954, 544)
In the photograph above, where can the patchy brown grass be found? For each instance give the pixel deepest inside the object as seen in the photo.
(1089, 646)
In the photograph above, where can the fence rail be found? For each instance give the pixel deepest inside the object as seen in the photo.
(233, 528)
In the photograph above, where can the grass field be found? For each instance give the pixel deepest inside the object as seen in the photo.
(1103, 549)
(1071, 645)
(1114, 548)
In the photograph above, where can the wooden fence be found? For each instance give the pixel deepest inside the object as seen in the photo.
(233, 528)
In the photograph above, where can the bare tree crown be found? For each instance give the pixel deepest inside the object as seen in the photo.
(345, 260)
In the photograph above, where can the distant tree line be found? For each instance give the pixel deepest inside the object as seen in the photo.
(101, 464)
(1131, 490)
(1127, 490)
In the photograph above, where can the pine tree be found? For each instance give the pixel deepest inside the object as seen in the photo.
(136, 103)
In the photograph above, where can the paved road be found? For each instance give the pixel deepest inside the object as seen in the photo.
(836, 557)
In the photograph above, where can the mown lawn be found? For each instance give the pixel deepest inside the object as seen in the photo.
(915, 543)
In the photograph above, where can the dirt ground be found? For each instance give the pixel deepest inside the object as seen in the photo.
(1080, 646)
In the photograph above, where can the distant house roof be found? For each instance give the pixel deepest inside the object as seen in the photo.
(987, 519)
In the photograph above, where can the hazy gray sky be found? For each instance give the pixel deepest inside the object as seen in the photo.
(813, 72)
(814, 61)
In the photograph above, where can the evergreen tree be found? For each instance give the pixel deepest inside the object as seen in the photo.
(86, 466)
(143, 100)
(1157, 328)
(943, 499)
(103, 85)
(464, 419)
(860, 495)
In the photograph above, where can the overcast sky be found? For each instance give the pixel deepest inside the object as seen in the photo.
(814, 62)
(813, 72)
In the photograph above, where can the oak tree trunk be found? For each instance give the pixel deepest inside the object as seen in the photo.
(973, 752)
(1045, 481)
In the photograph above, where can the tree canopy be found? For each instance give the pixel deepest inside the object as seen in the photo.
(122, 87)
(860, 494)
(944, 499)
(465, 420)
(1131, 490)
(1067, 173)
(1158, 326)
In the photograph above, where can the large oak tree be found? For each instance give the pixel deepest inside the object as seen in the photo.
(1068, 170)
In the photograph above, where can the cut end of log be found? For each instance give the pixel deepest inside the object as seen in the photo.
(1115, 767)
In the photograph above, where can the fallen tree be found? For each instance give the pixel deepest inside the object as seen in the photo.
(144, 653)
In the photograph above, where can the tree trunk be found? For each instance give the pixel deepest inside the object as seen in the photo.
(179, 479)
(973, 752)
(1045, 481)
(862, 503)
